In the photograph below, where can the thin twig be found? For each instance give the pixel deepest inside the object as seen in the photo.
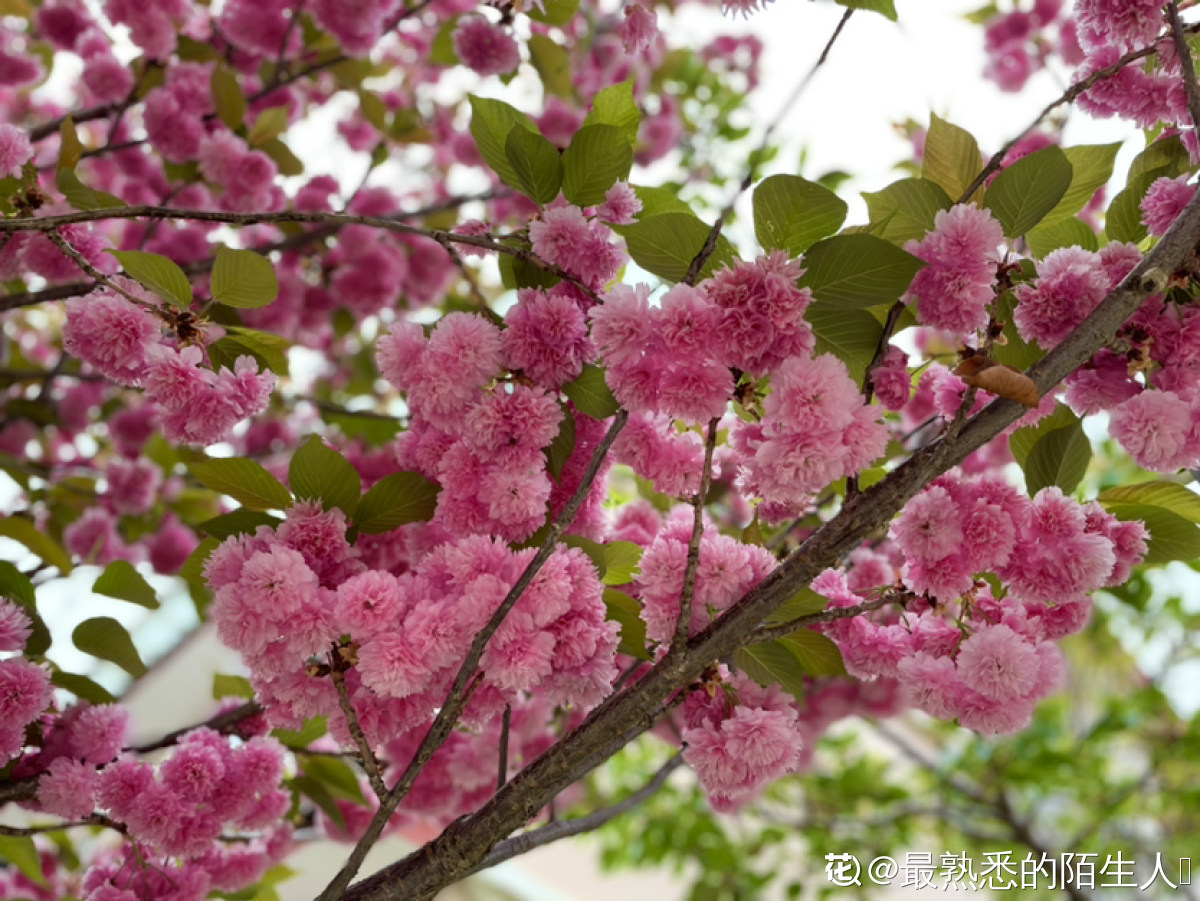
(505, 723)
(684, 623)
(222, 722)
(456, 699)
(51, 223)
(537, 838)
(710, 242)
(770, 633)
(96, 819)
(367, 757)
(1068, 96)
(82, 262)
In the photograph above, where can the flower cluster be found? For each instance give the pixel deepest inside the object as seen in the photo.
(727, 569)
(816, 430)
(584, 247)
(962, 251)
(1070, 283)
(738, 736)
(1048, 549)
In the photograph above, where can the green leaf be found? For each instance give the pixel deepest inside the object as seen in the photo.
(319, 794)
(396, 500)
(228, 97)
(285, 161)
(336, 775)
(1053, 452)
(557, 12)
(1045, 239)
(312, 729)
(802, 603)
(121, 581)
(1026, 191)
(627, 611)
(271, 123)
(615, 106)
(666, 245)
(272, 349)
(441, 51)
(19, 850)
(536, 163)
(792, 213)
(82, 687)
(1171, 496)
(70, 148)
(952, 158)
(656, 201)
(1060, 458)
(1091, 167)
(553, 66)
(159, 274)
(1123, 220)
(491, 121)
(598, 157)
(21, 530)
(591, 394)
(858, 270)
(850, 335)
(1172, 537)
(317, 471)
(224, 686)
(239, 522)
(1167, 153)
(15, 586)
(193, 568)
(107, 639)
(246, 481)
(563, 445)
(516, 273)
(81, 197)
(886, 8)
(770, 662)
(621, 562)
(243, 279)
(373, 109)
(905, 210)
(817, 654)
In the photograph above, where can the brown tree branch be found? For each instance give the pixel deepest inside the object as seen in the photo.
(537, 838)
(684, 624)
(50, 223)
(770, 633)
(366, 756)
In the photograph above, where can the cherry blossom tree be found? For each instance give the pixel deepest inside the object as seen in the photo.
(532, 506)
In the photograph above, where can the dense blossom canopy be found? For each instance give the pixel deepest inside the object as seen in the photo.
(648, 481)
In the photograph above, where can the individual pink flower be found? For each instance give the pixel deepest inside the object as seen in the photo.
(546, 337)
(24, 691)
(621, 205)
(891, 380)
(1071, 283)
(15, 626)
(98, 733)
(68, 788)
(952, 292)
(998, 663)
(1164, 201)
(111, 334)
(484, 47)
(1159, 430)
(15, 150)
(745, 7)
(638, 29)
